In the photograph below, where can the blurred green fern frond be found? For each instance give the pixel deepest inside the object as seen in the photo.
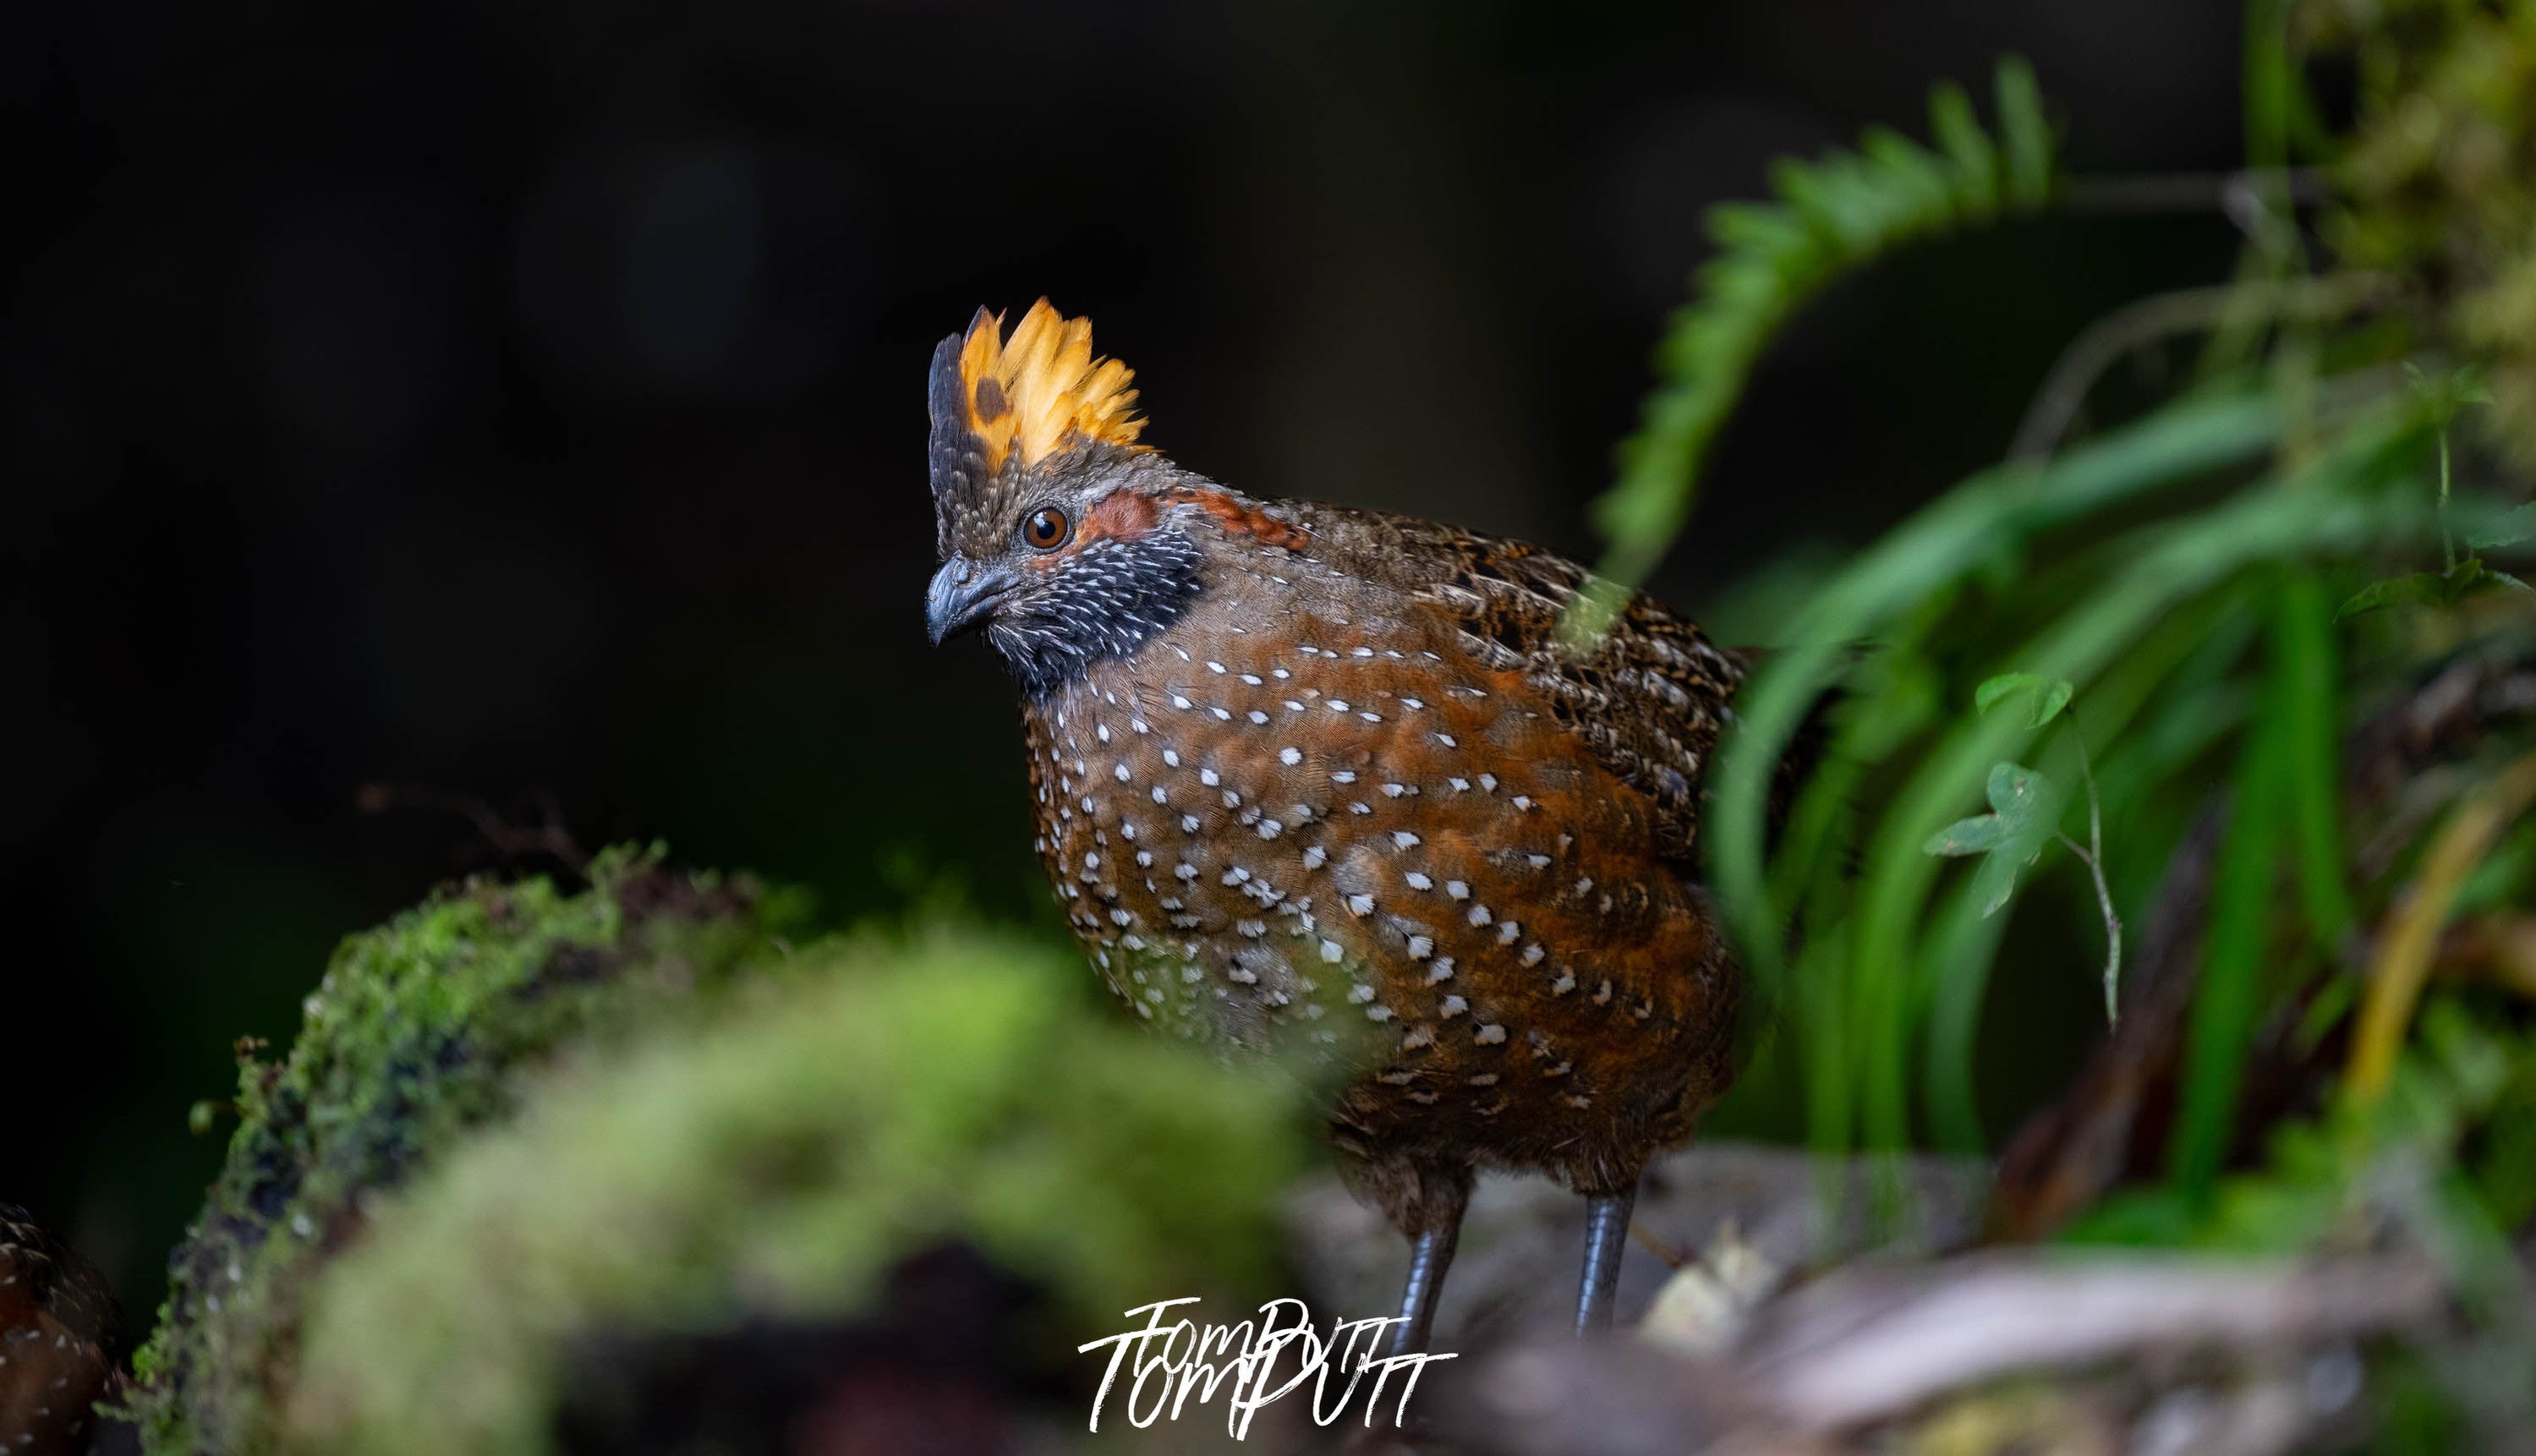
(1831, 216)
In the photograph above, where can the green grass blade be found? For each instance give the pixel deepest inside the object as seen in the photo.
(2229, 997)
(2312, 744)
(1955, 965)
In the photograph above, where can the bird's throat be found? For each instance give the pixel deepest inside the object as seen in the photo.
(1104, 604)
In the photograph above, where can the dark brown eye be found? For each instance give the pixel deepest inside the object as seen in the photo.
(1047, 529)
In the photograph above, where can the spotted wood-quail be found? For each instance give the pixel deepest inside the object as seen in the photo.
(1302, 769)
(60, 1341)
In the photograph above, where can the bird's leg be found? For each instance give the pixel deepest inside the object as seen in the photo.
(1430, 1253)
(1437, 1226)
(1607, 1233)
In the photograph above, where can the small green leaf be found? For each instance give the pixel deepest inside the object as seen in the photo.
(2517, 526)
(2398, 591)
(2431, 587)
(2472, 576)
(2460, 581)
(2015, 792)
(2051, 695)
(1976, 836)
(2054, 698)
(2010, 838)
(1995, 883)
(2446, 394)
(1989, 693)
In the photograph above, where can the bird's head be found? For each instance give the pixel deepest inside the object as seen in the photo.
(1059, 534)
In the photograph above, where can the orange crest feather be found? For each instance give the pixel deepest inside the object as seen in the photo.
(1042, 391)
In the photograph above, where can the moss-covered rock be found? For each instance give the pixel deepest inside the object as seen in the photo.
(773, 1168)
(419, 1033)
(519, 1124)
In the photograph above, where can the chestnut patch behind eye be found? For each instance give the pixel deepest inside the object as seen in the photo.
(1122, 515)
(1238, 519)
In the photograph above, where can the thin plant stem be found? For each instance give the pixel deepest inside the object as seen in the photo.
(2137, 325)
(2448, 541)
(2092, 854)
(2185, 192)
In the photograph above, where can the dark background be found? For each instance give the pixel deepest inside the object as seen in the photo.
(525, 401)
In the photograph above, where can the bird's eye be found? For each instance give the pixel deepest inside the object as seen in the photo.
(1047, 530)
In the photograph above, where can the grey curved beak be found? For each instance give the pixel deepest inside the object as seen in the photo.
(964, 595)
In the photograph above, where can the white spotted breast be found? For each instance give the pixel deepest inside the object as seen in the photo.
(1285, 814)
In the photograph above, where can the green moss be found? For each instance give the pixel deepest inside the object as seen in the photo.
(516, 1117)
(775, 1165)
(2440, 179)
(418, 1034)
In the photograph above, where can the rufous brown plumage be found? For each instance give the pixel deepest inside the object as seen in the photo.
(60, 1338)
(1329, 775)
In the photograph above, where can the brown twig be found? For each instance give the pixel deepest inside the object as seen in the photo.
(1855, 1348)
(2192, 192)
(2150, 320)
(1671, 1257)
(508, 840)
